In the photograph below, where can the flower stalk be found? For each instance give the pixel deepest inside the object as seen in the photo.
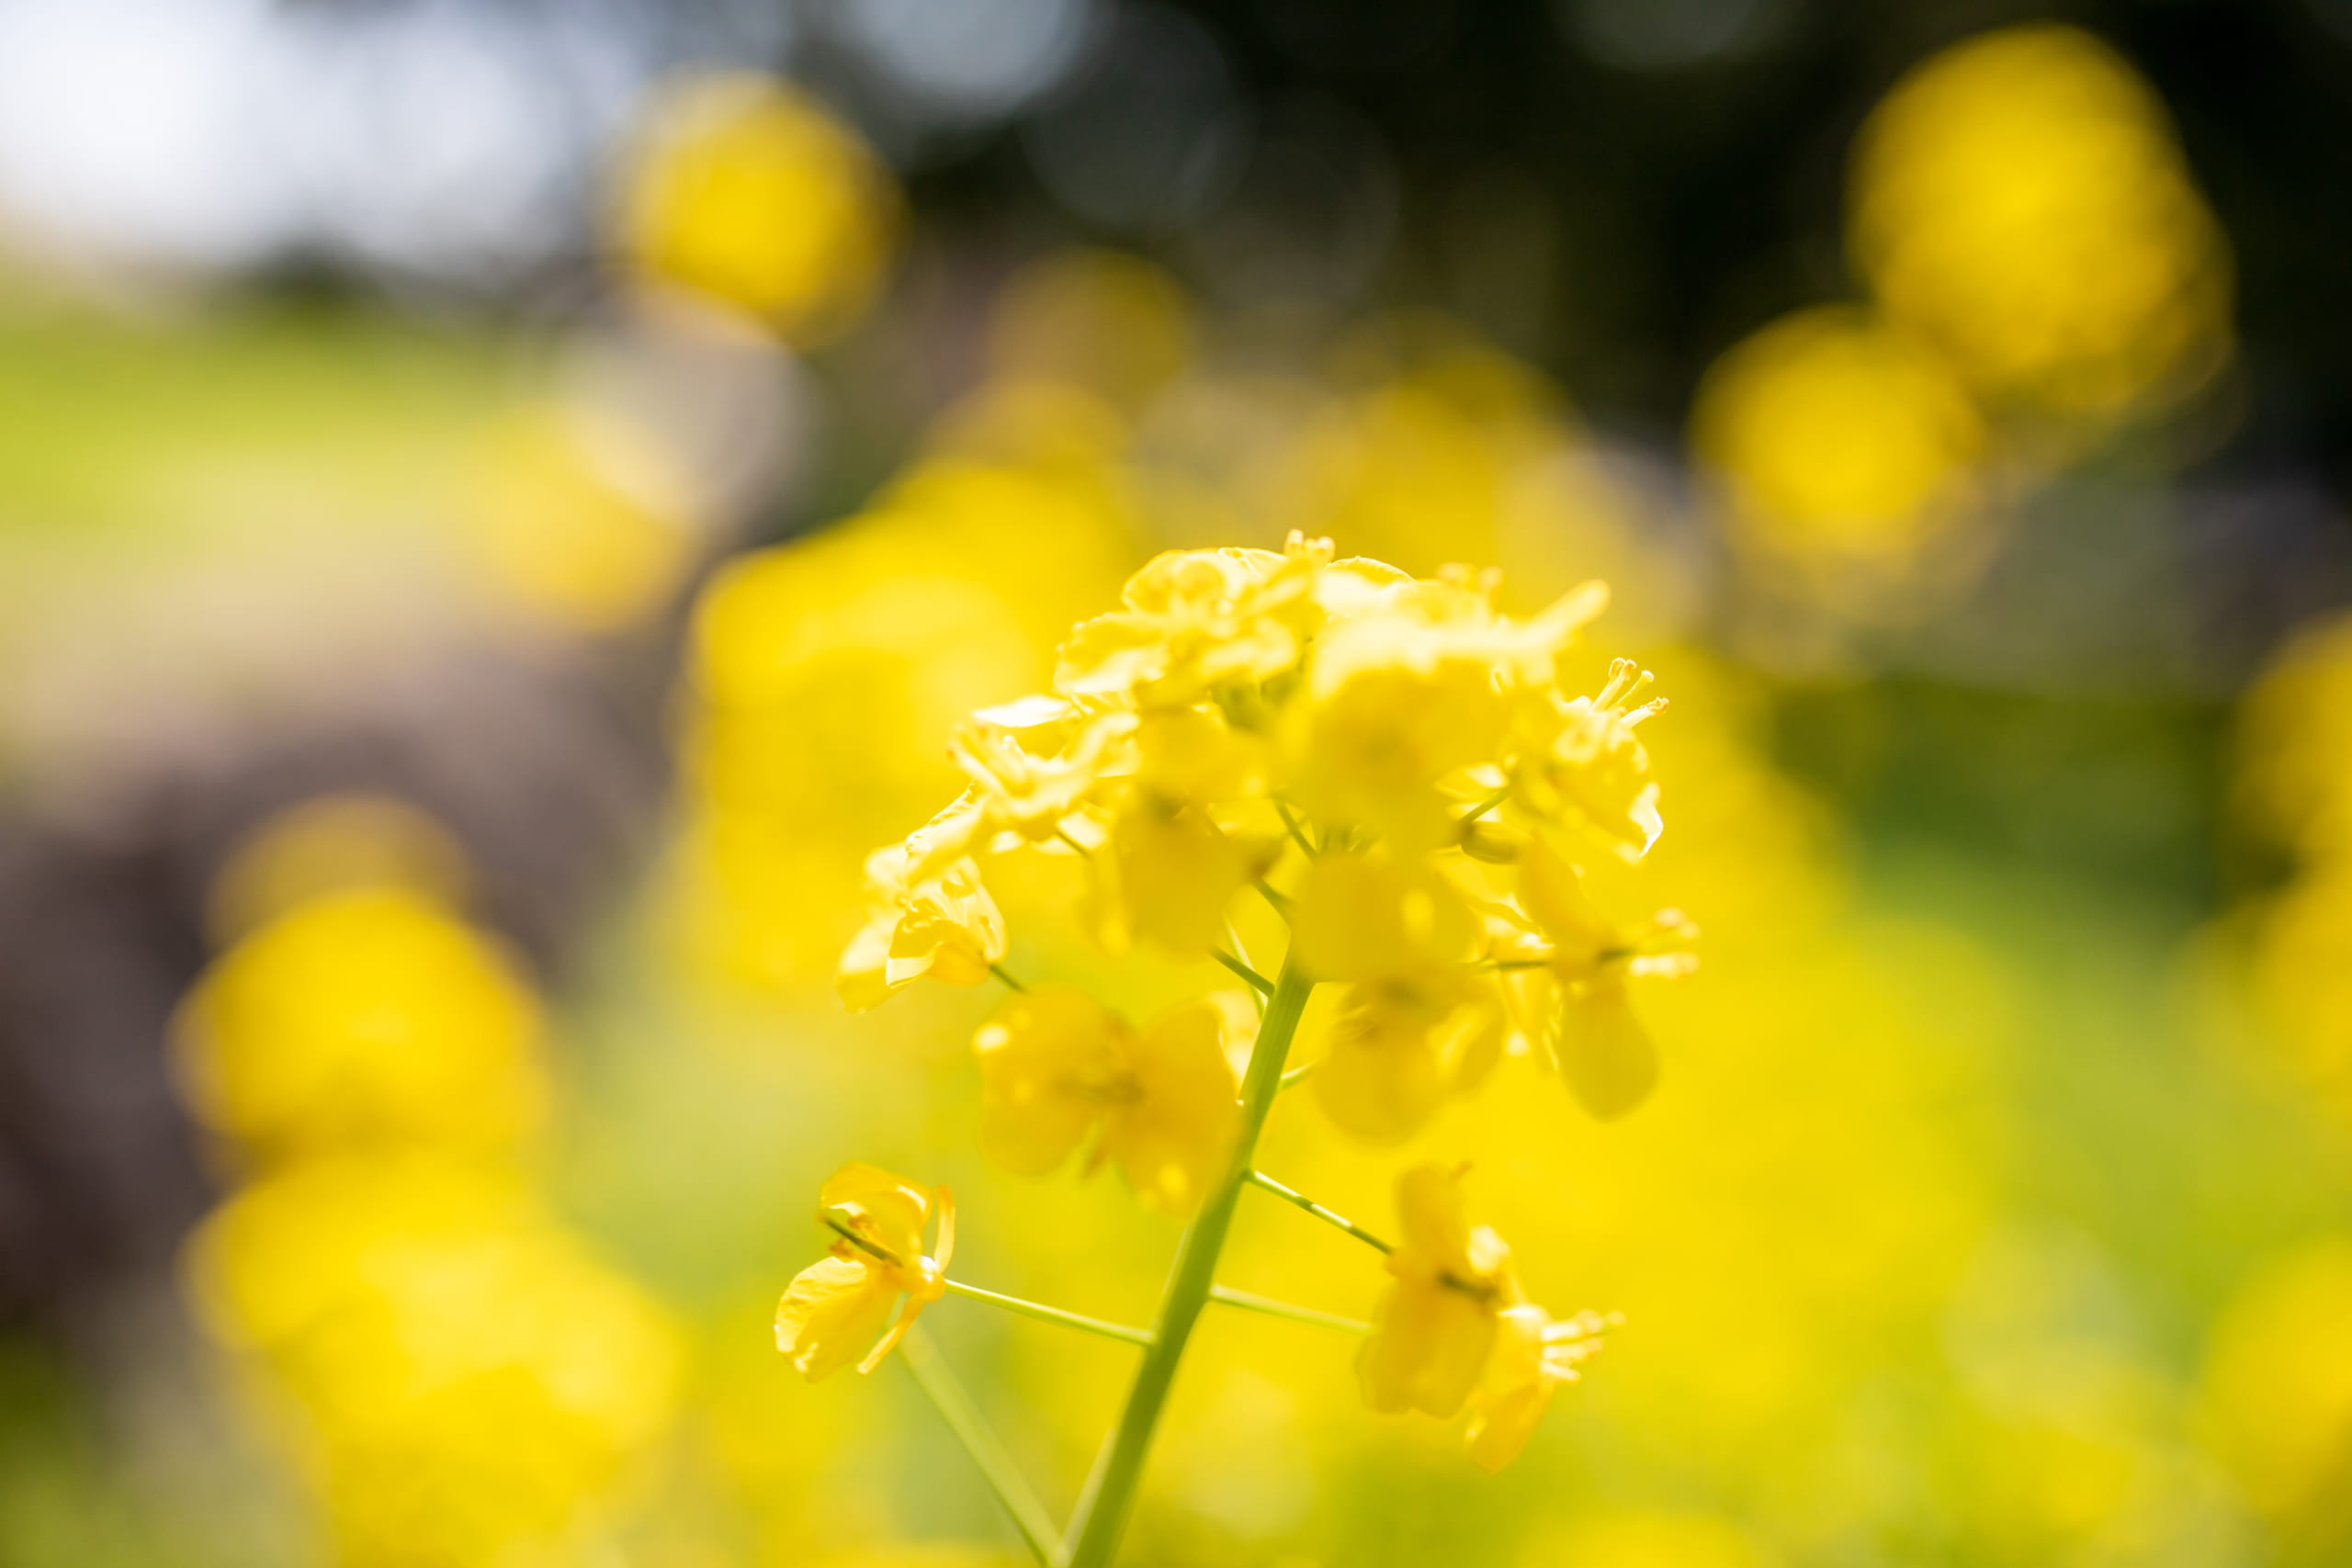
(996, 1467)
(1044, 1313)
(1109, 1497)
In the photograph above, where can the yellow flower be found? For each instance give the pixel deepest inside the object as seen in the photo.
(838, 1304)
(1436, 1326)
(1034, 762)
(1591, 769)
(1166, 868)
(1167, 873)
(1607, 1058)
(1422, 683)
(1055, 1067)
(1415, 1023)
(945, 926)
(1533, 1356)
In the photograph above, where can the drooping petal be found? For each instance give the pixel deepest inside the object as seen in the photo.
(1427, 1344)
(1607, 1058)
(832, 1313)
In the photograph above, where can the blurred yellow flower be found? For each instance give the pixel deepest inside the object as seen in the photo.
(2278, 1394)
(1194, 619)
(366, 1018)
(1436, 1325)
(468, 1378)
(583, 517)
(1167, 873)
(1533, 1356)
(746, 191)
(944, 925)
(1413, 1025)
(1841, 444)
(1056, 1066)
(2019, 201)
(2294, 746)
(834, 1308)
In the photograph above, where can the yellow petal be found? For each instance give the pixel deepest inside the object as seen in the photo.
(1051, 1061)
(1429, 1343)
(1551, 888)
(862, 980)
(832, 1313)
(1605, 1053)
(1514, 1391)
(1170, 876)
(1432, 1218)
(1358, 919)
(1191, 755)
(894, 1212)
(1173, 1139)
(1498, 1433)
(1380, 1076)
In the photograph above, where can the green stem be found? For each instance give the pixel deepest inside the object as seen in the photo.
(1044, 1313)
(1299, 1073)
(999, 971)
(1288, 1195)
(1297, 834)
(1274, 896)
(996, 1466)
(1249, 1300)
(1483, 807)
(1109, 1496)
(1258, 982)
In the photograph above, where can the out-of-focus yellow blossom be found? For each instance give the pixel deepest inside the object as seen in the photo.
(944, 926)
(1533, 1355)
(2294, 745)
(1602, 1049)
(1841, 444)
(1436, 1326)
(835, 1308)
(583, 517)
(469, 1379)
(1167, 873)
(1056, 1066)
(1111, 324)
(2279, 1396)
(745, 191)
(331, 845)
(1429, 452)
(2019, 201)
(370, 1017)
(2302, 983)
(1414, 1025)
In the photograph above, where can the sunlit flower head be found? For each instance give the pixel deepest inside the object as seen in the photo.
(838, 1310)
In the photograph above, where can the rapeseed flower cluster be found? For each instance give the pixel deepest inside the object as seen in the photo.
(1395, 765)
(462, 1378)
